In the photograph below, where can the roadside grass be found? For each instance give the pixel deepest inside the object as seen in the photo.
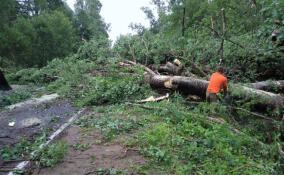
(46, 157)
(16, 97)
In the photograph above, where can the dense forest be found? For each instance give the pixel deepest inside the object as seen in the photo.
(35, 32)
(46, 44)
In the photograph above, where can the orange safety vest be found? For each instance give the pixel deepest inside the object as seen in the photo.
(217, 82)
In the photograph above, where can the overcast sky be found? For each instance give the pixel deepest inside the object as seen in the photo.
(120, 13)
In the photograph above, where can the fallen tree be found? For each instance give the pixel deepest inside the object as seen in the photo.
(196, 86)
(3, 82)
(269, 85)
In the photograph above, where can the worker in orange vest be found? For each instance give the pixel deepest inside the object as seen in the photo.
(217, 83)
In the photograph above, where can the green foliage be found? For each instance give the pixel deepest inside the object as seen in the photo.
(180, 139)
(23, 148)
(37, 40)
(16, 97)
(81, 147)
(47, 156)
(52, 155)
(114, 89)
(14, 153)
(145, 49)
(74, 79)
(183, 144)
(95, 49)
(109, 125)
(88, 20)
(35, 32)
(251, 55)
(56, 36)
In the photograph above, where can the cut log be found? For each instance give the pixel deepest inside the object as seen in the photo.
(171, 69)
(198, 87)
(194, 86)
(176, 70)
(3, 82)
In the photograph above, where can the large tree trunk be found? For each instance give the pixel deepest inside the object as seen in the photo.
(269, 85)
(195, 86)
(198, 87)
(171, 69)
(3, 82)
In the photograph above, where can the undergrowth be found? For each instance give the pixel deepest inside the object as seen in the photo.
(16, 97)
(179, 138)
(48, 156)
(74, 78)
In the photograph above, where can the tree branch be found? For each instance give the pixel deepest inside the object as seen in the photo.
(225, 38)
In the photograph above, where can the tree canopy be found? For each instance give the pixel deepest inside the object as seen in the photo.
(34, 32)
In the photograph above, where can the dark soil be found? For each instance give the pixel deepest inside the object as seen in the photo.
(98, 156)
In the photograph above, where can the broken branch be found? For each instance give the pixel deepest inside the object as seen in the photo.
(152, 99)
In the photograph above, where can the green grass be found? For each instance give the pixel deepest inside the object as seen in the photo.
(16, 97)
(52, 155)
(175, 137)
(45, 157)
(178, 139)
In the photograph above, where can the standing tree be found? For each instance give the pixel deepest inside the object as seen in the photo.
(88, 20)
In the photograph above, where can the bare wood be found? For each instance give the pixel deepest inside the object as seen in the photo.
(182, 67)
(198, 87)
(171, 68)
(194, 66)
(152, 99)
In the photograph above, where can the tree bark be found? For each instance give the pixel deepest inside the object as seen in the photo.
(194, 66)
(3, 82)
(183, 25)
(171, 69)
(198, 87)
(269, 85)
(194, 86)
